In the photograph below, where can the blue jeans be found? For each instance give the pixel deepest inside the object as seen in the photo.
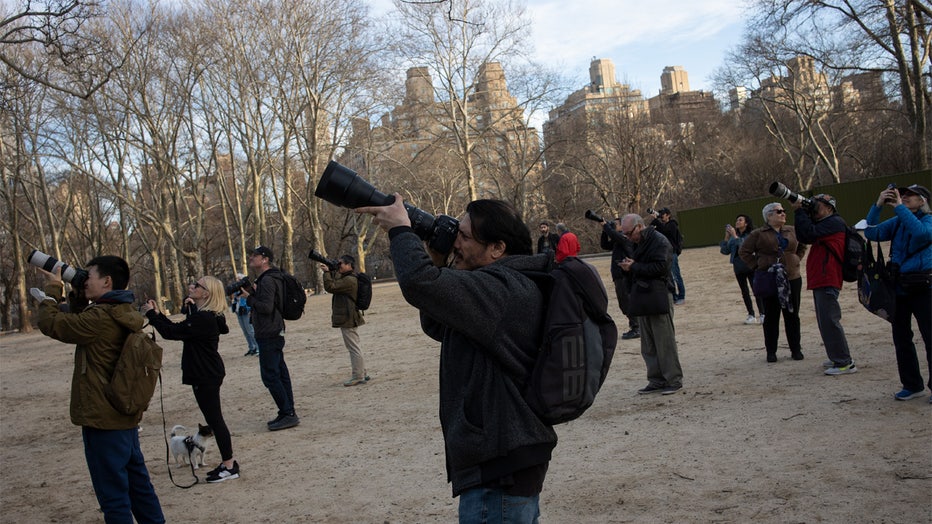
(274, 373)
(828, 317)
(493, 506)
(248, 332)
(680, 292)
(119, 475)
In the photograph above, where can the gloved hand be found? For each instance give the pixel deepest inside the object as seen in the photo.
(40, 295)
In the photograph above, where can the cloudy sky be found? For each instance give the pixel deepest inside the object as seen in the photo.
(641, 37)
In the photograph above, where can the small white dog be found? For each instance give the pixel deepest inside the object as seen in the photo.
(190, 449)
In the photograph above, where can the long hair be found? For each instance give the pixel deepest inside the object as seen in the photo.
(217, 301)
(748, 223)
(497, 220)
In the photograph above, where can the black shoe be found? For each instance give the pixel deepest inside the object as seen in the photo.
(288, 421)
(771, 357)
(651, 388)
(628, 335)
(797, 354)
(669, 390)
(221, 473)
(275, 420)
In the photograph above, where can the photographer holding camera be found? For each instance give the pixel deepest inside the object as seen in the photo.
(340, 280)
(487, 315)
(264, 299)
(201, 364)
(622, 248)
(819, 225)
(99, 330)
(670, 228)
(910, 236)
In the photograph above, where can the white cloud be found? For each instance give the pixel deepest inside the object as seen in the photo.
(594, 27)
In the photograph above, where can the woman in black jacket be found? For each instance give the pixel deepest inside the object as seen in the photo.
(201, 364)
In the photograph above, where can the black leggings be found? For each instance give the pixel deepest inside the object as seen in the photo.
(744, 282)
(208, 399)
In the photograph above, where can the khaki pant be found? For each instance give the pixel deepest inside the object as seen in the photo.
(351, 340)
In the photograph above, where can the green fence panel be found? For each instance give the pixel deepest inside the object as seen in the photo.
(706, 226)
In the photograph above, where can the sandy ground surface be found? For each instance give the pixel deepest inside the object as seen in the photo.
(744, 440)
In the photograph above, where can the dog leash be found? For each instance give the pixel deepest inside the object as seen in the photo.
(189, 444)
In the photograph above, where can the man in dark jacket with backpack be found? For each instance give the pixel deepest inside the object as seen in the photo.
(111, 438)
(487, 315)
(341, 281)
(824, 229)
(266, 300)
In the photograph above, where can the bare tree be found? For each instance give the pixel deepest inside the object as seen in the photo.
(458, 41)
(74, 59)
(857, 36)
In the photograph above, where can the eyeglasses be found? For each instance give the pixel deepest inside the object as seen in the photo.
(197, 284)
(779, 211)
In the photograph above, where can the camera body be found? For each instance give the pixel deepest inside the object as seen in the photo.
(73, 275)
(343, 187)
(329, 262)
(592, 216)
(238, 285)
(779, 190)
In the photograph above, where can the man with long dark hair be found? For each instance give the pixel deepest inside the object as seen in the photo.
(487, 315)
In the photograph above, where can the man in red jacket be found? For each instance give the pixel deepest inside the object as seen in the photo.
(821, 227)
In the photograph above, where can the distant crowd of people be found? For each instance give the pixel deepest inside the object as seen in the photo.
(485, 311)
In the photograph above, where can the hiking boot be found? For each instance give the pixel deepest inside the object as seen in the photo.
(651, 388)
(906, 394)
(288, 421)
(628, 335)
(842, 370)
(221, 473)
(750, 320)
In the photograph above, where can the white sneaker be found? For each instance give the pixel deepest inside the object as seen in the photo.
(762, 319)
(750, 320)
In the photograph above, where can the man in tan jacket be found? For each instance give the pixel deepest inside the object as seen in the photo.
(100, 318)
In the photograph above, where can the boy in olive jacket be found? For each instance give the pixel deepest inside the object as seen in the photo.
(111, 440)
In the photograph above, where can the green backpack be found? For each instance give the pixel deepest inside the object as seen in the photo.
(136, 374)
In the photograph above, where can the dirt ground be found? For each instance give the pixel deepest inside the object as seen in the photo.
(743, 441)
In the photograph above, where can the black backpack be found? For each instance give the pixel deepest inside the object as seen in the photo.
(293, 298)
(578, 344)
(852, 262)
(363, 291)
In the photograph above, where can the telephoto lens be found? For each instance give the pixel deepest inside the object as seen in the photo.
(73, 275)
(779, 190)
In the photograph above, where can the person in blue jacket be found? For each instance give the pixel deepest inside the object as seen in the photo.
(734, 237)
(910, 233)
